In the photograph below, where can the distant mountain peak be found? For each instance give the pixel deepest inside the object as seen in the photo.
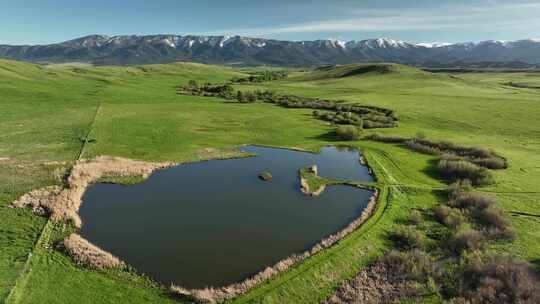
(141, 49)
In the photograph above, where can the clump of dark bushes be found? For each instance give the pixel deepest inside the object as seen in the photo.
(466, 240)
(414, 264)
(458, 159)
(478, 156)
(496, 279)
(261, 77)
(457, 169)
(407, 237)
(337, 112)
(415, 217)
(449, 217)
(386, 138)
(481, 211)
(348, 132)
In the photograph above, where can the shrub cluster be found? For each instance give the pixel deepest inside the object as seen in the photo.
(466, 240)
(348, 132)
(457, 169)
(478, 156)
(338, 113)
(387, 138)
(407, 237)
(261, 77)
(225, 91)
(480, 210)
(414, 264)
(497, 279)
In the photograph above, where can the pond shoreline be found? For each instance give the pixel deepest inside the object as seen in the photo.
(63, 203)
(219, 294)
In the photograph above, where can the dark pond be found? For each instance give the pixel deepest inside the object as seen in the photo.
(214, 223)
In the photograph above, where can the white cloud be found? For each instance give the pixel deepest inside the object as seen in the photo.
(490, 15)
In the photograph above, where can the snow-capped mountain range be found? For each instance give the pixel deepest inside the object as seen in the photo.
(120, 50)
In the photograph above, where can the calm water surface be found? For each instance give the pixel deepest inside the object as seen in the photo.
(214, 223)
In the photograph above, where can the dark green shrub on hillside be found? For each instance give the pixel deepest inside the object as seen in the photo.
(240, 96)
(193, 84)
(451, 218)
(480, 156)
(484, 214)
(406, 237)
(468, 240)
(459, 188)
(472, 201)
(386, 138)
(494, 221)
(461, 169)
(493, 163)
(414, 264)
(415, 217)
(261, 77)
(347, 133)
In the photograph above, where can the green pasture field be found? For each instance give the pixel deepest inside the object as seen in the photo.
(51, 116)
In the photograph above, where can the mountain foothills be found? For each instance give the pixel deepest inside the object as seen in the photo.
(126, 50)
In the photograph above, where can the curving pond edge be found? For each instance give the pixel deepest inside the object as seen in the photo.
(63, 203)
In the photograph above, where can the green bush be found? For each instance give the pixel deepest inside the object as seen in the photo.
(415, 217)
(386, 138)
(348, 133)
(406, 237)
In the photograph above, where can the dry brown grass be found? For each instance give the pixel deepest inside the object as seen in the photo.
(214, 295)
(389, 280)
(64, 203)
(89, 255)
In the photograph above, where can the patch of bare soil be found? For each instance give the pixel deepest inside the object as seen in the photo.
(64, 203)
(86, 254)
(375, 284)
(214, 295)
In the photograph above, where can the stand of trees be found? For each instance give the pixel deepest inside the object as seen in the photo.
(262, 77)
(336, 112)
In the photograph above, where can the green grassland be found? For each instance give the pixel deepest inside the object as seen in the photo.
(53, 115)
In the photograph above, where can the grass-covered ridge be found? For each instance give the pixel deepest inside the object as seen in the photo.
(48, 111)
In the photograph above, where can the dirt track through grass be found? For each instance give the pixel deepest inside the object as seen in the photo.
(17, 291)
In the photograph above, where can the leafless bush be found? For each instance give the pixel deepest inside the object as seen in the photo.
(414, 264)
(466, 240)
(498, 279)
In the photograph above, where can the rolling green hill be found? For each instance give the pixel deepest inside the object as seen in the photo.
(53, 115)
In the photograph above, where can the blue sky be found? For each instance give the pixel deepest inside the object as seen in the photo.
(42, 21)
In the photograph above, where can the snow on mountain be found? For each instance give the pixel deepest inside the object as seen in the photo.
(133, 49)
(433, 44)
